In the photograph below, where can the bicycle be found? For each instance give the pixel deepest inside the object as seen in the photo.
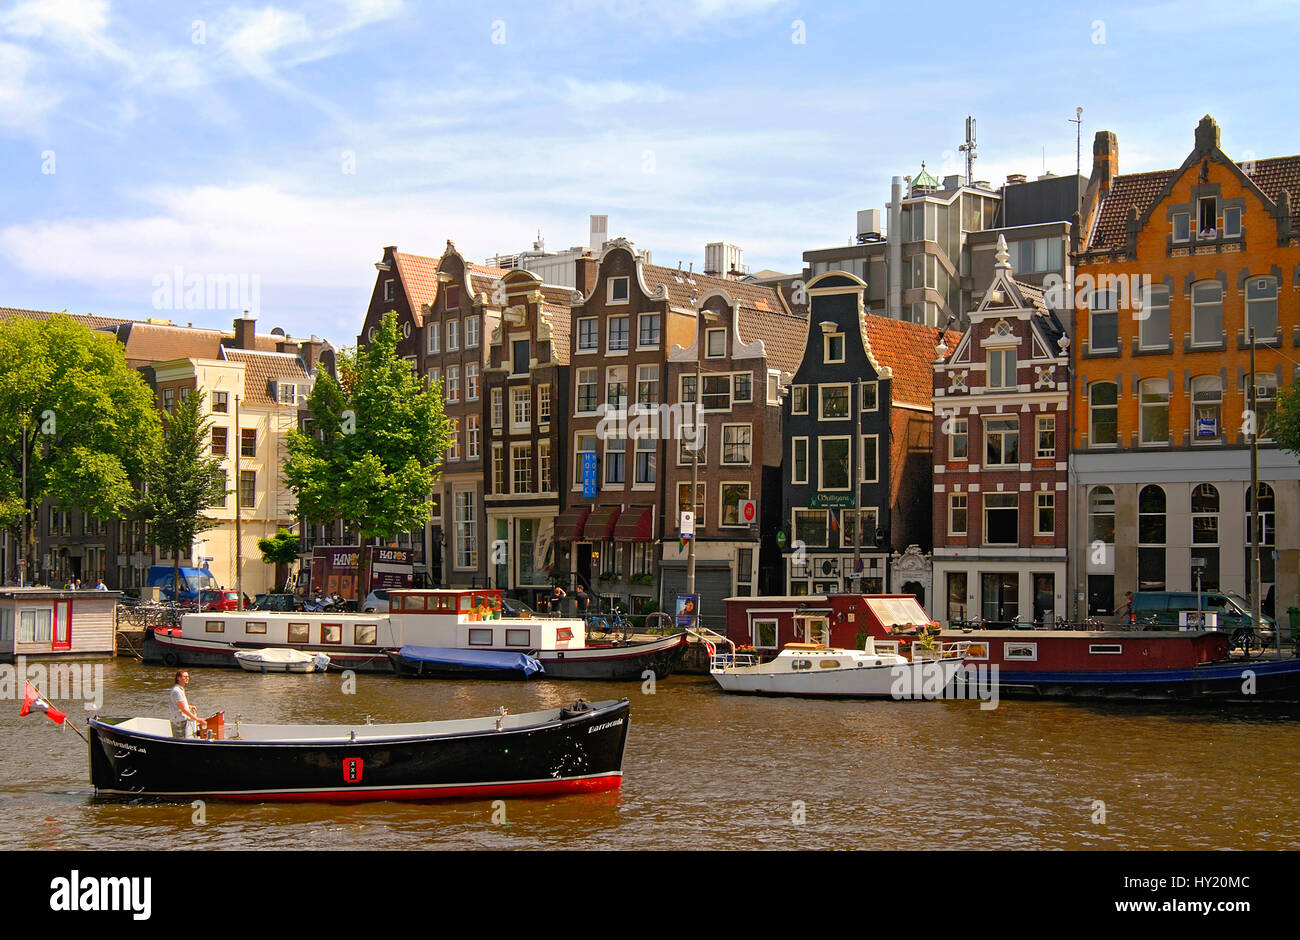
(615, 626)
(1248, 640)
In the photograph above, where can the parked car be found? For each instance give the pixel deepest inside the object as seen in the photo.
(1163, 607)
(376, 602)
(285, 604)
(214, 600)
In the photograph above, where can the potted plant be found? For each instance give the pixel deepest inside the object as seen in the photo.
(640, 579)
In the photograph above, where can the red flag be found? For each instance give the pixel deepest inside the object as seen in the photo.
(32, 699)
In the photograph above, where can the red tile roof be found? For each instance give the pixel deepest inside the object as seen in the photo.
(908, 349)
(89, 320)
(682, 287)
(1272, 176)
(782, 334)
(419, 277)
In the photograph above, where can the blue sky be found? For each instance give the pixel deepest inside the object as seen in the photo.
(292, 142)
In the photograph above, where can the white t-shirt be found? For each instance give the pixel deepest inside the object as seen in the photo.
(178, 698)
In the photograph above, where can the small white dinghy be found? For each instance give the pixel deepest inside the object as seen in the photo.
(281, 660)
(808, 669)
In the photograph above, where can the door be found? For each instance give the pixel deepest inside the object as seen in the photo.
(62, 625)
(815, 630)
(1044, 600)
(582, 564)
(1001, 598)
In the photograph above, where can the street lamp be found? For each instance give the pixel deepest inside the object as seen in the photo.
(706, 316)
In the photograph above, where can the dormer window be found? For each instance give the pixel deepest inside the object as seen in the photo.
(618, 290)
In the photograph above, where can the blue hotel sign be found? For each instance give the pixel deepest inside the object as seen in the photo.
(588, 474)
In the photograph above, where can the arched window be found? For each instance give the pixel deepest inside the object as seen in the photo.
(1154, 395)
(1267, 533)
(1207, 313)
(1207, 409)
(1151, 538)
(1205, 535)
(1103, 413)
(1101, 515)
(1261, 307)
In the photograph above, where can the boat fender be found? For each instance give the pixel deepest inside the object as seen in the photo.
(573, 710)
(169, 658)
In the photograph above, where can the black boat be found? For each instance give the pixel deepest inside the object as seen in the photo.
(574, 749)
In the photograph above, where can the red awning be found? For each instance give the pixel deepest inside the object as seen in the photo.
(600, 524)
(568, 527)
(635, 525)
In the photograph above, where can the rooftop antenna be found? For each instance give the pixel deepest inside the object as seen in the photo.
(1077, 121)
(968, 148)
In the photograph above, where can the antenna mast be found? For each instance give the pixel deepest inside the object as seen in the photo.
(968, 148)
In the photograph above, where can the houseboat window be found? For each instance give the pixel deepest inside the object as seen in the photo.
(255, 626)
(828, 663)
(446, 605)
(214, 626)
(480, 636)
(1027, 652)
(415, 602)
(364, 634)
(299, 633)
(799, 664)
(331, 633)
(518, 638)
(1105, 648)
(6, 625)
(765, 634)
(464, 602)
(34, 626)
(489, 601)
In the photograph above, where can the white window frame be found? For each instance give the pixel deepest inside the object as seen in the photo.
(953, 500)
(1044, 424)
(659, 332)
(821, 462)
(595, 323)
(794, 446)
(872, 441)
(1044, 500)
(471, 381)
(1003, 462)
(749, 446)
(545, 472)
(473, 437)
(735, 397)
(627, 290)
(1000, 355)
(610, 348)
(471, 336)
(821, 401)
(709, 334)
(794, 396)
(521, 468)
(544, 403)
(453, 335)
(498, 408)
(578, 385)
(827, 338)
(521, 407)
(722, 505)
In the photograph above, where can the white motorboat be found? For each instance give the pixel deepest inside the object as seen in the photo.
(281, 660)
(811, 669)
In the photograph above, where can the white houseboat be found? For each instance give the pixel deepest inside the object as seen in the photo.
(425, 634)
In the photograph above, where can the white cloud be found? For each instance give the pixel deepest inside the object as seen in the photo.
(24, 102)
(76, 27)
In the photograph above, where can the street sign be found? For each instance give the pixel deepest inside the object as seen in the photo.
(589, 481)
(832, 501)
(687, 526)
(748, 510)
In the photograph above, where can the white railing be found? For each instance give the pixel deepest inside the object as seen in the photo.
(721, 662)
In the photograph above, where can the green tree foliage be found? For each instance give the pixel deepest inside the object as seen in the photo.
(280, 550)
(375, 448)
(183, 482)
(1284, 427)
(87, 420)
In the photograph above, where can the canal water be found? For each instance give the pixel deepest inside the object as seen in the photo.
(704, 770)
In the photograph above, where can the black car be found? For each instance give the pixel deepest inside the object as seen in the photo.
(286, 604)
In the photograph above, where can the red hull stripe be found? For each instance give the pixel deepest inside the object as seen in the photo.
(471, 791)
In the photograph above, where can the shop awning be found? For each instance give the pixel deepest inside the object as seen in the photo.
(600, 524)
(568, 527)
(636, 524)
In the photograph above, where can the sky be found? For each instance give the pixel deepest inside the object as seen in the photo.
(282, 146)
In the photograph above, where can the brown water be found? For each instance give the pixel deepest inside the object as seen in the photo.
(712, 771)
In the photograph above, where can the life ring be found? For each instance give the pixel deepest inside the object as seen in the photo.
(170, 658)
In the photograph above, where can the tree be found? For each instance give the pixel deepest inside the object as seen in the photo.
(183, 482)
(280, 550)
(377, 444)
(1284, 426)
(85, 419)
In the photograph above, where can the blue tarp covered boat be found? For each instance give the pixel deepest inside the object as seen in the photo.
(433, 662)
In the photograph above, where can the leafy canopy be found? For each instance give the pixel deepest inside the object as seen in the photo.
(88, 419)
(377, 443)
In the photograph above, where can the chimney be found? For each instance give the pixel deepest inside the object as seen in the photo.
(599, 232)
(586, 269)
(1105, 160)
(1207, 135)
(309, 351)
(245, 329)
